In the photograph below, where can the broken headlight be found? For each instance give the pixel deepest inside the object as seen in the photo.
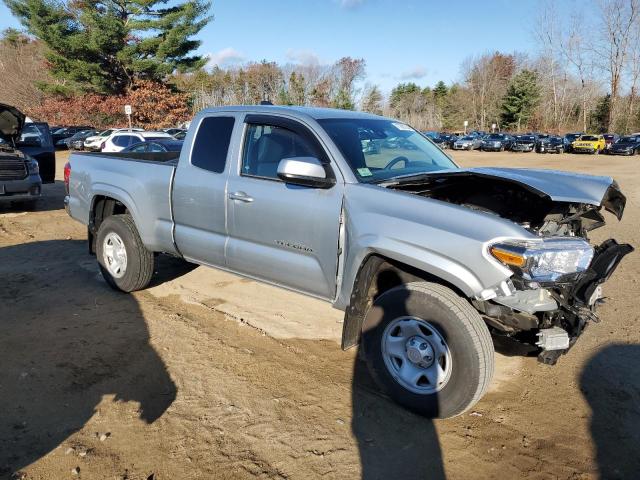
(546, 260)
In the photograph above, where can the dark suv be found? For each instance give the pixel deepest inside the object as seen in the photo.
(496, 142)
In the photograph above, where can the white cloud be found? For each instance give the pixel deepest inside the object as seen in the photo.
(225, 57)
(413, 74)
(303, 57)
(349, 3)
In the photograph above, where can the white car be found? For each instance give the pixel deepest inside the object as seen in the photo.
(94, 142)
(120, 140)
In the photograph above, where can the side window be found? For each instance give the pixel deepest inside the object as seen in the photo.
(211, 144)
(125, 140)
(139, 148)
(154, 147)
(266, 145)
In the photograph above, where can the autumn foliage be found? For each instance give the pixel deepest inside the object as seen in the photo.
(154, 106)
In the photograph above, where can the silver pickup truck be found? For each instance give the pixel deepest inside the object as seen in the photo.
(428, 260)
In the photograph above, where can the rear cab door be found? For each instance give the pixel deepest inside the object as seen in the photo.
(199, 188)
(282, 233)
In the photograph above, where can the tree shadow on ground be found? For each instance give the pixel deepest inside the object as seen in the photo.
(393, 442)
(611, 384)
(67, 340)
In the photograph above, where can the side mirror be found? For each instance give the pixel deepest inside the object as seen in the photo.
(304, 171)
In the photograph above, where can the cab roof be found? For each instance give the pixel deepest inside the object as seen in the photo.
(315, 113)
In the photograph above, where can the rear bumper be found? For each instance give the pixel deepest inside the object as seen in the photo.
(29, 187)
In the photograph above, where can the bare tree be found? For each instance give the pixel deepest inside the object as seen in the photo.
(618, 20)
(487, 78)
(575, 50)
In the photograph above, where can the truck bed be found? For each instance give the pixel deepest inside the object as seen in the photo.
(140, 181)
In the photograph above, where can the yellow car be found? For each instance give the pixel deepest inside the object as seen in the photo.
(589, 144)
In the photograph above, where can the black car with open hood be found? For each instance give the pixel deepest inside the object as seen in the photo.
(33, 139)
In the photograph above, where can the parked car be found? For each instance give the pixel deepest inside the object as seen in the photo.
(496, 142)
(628, 145)
(550, 144)
(569, 138)
(63, 133)
(173, 131)
(161, 145)
(180, 135)
(76, 142)
(523, 143)
(118, 141)
(19, 172)
(467, 142)
(421, 254)
(447, 140)
(593, 144)
(93, 143)
(610, 139)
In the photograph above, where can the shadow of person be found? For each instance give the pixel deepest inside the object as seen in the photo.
(67, 340)
(611, 384)
(393, 442)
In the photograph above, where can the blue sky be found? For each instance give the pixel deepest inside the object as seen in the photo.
(420, 41)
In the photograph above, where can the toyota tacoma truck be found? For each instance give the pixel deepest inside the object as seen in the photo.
(428, 260)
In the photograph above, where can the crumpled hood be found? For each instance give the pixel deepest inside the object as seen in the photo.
(561, 186)
(11, 123)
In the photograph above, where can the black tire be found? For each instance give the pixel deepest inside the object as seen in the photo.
(461, 327)
(140, 261)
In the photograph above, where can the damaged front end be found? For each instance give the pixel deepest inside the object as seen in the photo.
(557, 276)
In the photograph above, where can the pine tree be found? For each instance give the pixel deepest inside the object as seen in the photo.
(521, 99)
(601, 114)
(103, 46)
(440, 91)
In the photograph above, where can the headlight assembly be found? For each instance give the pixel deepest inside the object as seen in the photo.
(546, 260)
(32, 166)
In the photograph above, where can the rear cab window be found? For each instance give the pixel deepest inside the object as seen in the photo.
(211, 145)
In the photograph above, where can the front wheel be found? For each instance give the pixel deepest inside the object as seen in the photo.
(428, 349)
(125, 262)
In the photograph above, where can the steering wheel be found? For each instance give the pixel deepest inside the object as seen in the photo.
(397, 160)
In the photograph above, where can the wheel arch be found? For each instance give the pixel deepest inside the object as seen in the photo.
(102, 206)
(377, 274)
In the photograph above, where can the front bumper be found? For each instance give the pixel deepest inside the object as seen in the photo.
(521, 147)
(558, 310)
(620, 152)
(29, 187)
(584, 149)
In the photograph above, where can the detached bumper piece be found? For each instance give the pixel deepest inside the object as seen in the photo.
(579, 301)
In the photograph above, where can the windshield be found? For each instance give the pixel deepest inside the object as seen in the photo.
(378, 150)
(588, 138)
(34, 134)
(495, 136)
(526, 138)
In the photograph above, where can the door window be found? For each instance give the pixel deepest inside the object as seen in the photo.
(266, 145)
(211, 144)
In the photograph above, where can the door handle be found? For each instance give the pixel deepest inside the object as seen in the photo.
(241, 196)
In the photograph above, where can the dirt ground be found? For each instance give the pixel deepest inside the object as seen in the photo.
(207, 375)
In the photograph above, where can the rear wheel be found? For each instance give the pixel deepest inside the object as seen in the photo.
(428, 349)
(125, 262)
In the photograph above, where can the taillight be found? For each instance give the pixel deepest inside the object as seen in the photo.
(67, 176)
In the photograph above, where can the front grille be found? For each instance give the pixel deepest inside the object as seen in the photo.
(12, 169)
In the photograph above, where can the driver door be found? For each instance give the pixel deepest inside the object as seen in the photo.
(281, 233)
